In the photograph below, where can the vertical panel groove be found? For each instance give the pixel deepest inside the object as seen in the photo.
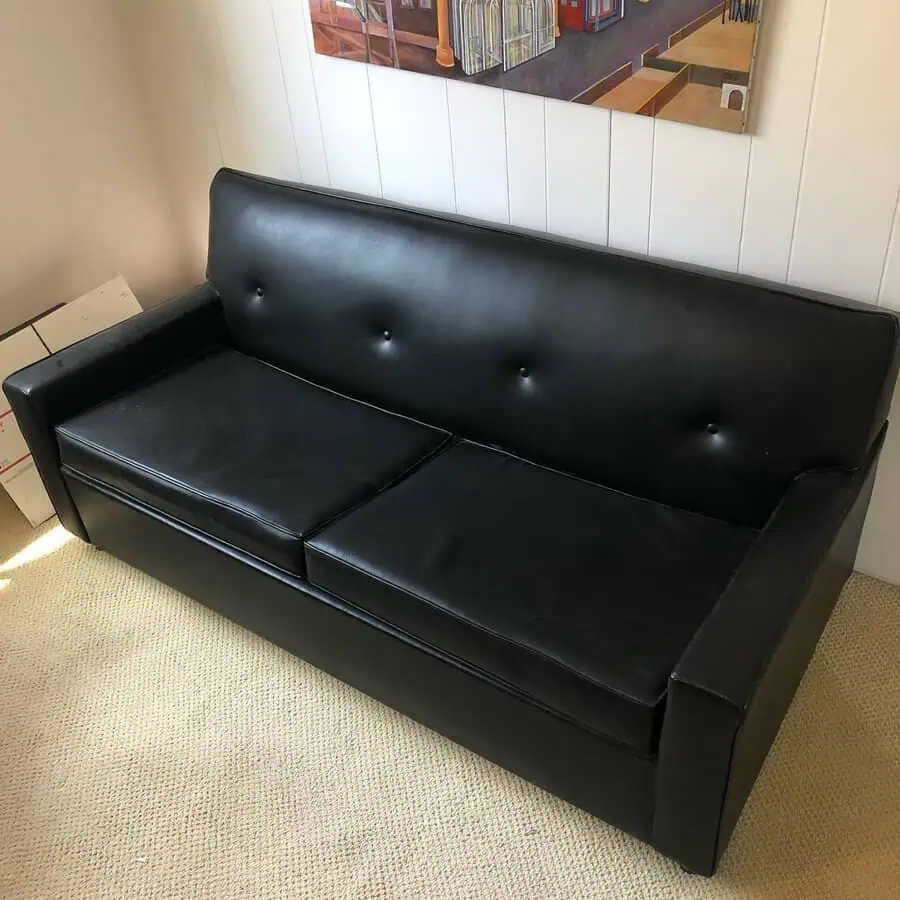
(413, 137)
(374, 133)
(506, 150)
(450, 136)
(740, 262)
(304, 120)
(526, 160)
(546, 170)
(891, 248)
(315, 90)
(812, 106)
(698, 195)
(652, 170)
(509, 203)
(650, 226)
(187, 20)
(287, 98)
(630, 179)
(577, 138)
(784, 81)
(609, 180)
(197, 43)
(232, 99)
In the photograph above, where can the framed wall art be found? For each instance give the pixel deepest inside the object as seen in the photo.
(684, 60)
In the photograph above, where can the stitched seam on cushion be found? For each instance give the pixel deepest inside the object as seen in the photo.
(447, 439)
(364, 501)
(120, 495)
(343, 396)
(445, 656)
(659, 697)
(493, 677)
(602, 487)
(174, 481)
(496, 680)
(488, 631)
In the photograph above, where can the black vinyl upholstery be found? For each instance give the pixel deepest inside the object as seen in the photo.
(112, 362)
(531, 346)
(244, 452)
(467, 705)
(731, 688)
(538, 577)
(585, 514)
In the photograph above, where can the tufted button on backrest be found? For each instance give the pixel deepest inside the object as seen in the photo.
(630, 353)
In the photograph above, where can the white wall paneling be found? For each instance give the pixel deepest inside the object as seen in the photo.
(526, 159)
(783, 82)
(852, 166)
(577, 171)
(630, 181)
(412, 130)
(291, 18)
(345, 108)
(260, 101)
(478, 140)
(201, 19)
(699, 182)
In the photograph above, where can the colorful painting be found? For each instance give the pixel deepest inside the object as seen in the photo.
(684, 60)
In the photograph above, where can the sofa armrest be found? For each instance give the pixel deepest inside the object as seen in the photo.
(56, 388)
(732, 687)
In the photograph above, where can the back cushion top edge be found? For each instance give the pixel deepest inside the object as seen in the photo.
(701, 393)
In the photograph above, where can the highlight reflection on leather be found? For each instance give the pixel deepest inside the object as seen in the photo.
(244, 451)
(585, 514)
(580, 596)
(626, 363)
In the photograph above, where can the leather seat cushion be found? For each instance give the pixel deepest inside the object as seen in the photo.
(580, 597)
(244, 452)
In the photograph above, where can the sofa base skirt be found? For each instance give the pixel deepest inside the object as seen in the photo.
(462, 703)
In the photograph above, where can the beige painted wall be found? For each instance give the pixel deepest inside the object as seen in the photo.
(810, 198)
(81, 195)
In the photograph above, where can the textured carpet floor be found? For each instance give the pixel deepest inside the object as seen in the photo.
(151, 749)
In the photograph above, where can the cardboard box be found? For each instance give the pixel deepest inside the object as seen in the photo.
(107, 305)
(25, 487)
(110, 303)
(17, 471)
(20, 349)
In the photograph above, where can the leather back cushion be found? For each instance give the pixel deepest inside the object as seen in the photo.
(702, 393)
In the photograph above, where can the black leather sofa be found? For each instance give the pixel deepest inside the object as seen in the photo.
(584, 514)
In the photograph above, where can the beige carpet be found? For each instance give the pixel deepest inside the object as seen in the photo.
(150, 749)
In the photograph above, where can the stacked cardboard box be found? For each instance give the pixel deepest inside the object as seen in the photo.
(105, 306)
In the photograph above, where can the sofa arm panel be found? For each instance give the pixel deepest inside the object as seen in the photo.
(734, 683)
(56, 388)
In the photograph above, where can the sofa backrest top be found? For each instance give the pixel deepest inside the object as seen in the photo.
(699, 392)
